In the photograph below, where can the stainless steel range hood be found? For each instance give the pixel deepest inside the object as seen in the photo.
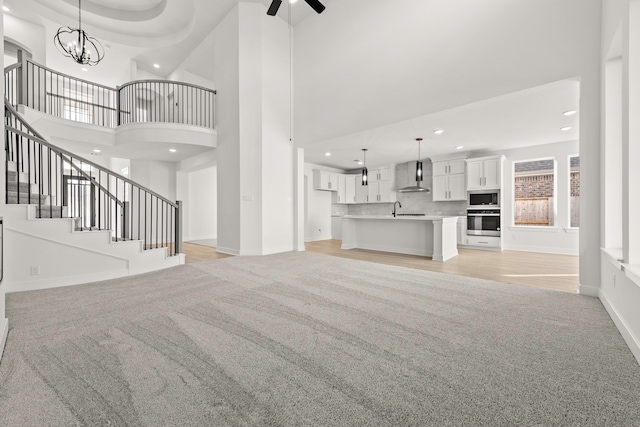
(414, 189)
(407, 170)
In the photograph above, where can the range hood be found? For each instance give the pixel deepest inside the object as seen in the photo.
(414, 189)
(407, 171)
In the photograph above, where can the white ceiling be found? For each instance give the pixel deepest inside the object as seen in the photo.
(378, 73)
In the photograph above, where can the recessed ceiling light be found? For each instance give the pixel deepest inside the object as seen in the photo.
(156, 66)
(96, 150)
(327, 154)
(84, 69)
(172, 150)
(566, 128)
(569, 113)
(292, 1)
(5, 8)
(438, 131)
(459, 147)
(358, 162)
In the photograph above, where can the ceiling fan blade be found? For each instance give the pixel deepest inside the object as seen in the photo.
(273, 9)
(316, 5)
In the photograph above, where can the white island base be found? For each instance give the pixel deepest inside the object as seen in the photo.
(431, 236)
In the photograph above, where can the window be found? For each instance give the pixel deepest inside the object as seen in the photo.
(534, 192)
(77, 106)
(574, 191)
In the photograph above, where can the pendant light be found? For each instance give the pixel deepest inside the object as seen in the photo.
(365, 172)
(76, 43)
(419, 175)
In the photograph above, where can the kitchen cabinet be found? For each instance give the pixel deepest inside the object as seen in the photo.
(448, 167)
(375, 175)
(491, 242)
(362, 191)
(350, 187)
(449, 180)
(341, 197)
(323, 180)
(449, 187)
(346, 189)
(379, 192)
(462, 230)
(484, 173)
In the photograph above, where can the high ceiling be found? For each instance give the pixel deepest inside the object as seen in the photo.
(377, 74)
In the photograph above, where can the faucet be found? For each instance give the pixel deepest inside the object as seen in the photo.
(394, 208)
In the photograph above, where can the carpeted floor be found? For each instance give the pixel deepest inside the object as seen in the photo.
(303, 339)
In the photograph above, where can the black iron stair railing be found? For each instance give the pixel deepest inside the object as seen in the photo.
(97, 197)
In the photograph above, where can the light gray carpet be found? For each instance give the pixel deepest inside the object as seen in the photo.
(303, 339)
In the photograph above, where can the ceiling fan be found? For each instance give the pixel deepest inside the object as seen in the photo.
(275, 5)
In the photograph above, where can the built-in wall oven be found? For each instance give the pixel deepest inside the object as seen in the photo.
(483, 222)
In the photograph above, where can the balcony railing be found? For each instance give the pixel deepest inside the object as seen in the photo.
(145, 101)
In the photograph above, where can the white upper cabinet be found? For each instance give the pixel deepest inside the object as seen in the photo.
(449, 181)
(341, 197)
(449, 187)
(484, 173)
(350, 188)
(362, 191)
(382, 174)
(448, 167)
(323, 180)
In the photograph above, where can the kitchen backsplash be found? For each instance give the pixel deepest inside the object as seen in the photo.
(411, 203)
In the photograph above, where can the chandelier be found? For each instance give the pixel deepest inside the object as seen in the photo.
(76, 44)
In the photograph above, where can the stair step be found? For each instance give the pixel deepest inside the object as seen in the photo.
(12, 198)
(52, 211)
(13, 176)
(25, 187)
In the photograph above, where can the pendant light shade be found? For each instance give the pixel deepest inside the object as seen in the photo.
(76, 44)
(365, 172)
(419, 174)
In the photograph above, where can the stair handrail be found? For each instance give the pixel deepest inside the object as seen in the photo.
(66, 156)
(38, 138)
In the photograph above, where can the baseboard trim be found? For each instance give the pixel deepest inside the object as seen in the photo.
(4, 332)
(227, 251)
(632, 341)
(589, 291)
(34, 285)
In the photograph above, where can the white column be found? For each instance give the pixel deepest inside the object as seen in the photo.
(256, 159)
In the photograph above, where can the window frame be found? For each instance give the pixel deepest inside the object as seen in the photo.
(569, 226)
(554, 206)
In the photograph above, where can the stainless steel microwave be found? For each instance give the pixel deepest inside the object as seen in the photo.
(479, 199)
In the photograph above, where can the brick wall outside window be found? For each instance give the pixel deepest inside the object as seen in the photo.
(533, 186)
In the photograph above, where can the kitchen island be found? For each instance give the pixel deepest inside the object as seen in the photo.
(431, 236)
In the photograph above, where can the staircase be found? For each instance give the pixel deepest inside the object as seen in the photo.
(70, 221)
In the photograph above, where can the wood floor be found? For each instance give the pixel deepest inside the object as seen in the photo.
(197, 253)
(557, 272)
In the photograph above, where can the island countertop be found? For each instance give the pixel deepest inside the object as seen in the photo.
(430, 235)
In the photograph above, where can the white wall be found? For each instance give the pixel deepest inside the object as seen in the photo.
(277, 147)
(559, 238)
(202, 212)
(226, 63)
(31, 36)
(157, 176)
(4, 323)
(619, 287)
